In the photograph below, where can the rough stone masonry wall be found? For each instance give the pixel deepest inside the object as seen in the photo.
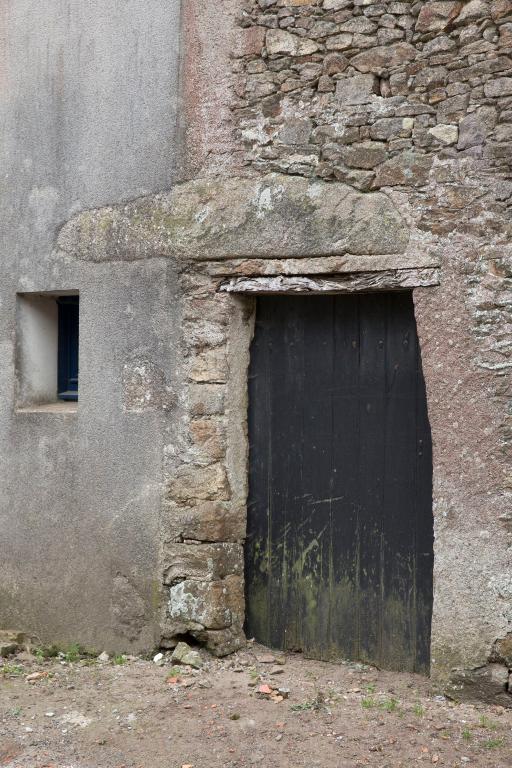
(415, 99)
(369, 93)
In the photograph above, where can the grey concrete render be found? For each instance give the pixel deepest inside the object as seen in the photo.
(88, 117)
(153, 153)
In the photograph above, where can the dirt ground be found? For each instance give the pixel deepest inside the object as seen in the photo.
(135, 714)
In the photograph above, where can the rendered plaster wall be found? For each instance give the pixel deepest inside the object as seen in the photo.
(88, 117)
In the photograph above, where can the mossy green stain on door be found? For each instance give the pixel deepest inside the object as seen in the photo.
(339, 549)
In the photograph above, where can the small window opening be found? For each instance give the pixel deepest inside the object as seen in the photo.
(67, 377)
(47, 349)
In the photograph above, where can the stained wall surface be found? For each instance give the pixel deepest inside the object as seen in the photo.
(88, 112)
(318, 138)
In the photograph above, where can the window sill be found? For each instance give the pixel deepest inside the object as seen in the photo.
(64, 407)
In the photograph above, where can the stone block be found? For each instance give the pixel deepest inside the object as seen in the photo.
(359, 89)
(501, 9)
(222, 642)
(208, 521)
(335, 5)
(389, 127)
(355, 178)
(222, 218)
(213, 308)
(6, 649)
(184, 654)
(206, 399)
(388, 36)
(309, 70)
(334, 63)
(503, 133)
(279, 41)
(472, 132)
(501, 86)
(362, 42)
(409, 169)
(325, 84)
(202, 562)
(438, 44)
(488, 683)
(446, 134)
(502, 651)
(192, 483)
(384, 57)
(475, 48)
(10, 642)
(431, 77)
(322, 29)
(358, 25)
(209, 366)
(453, 109)
(330, 137)
(208, 605)
(397, 9)
(209, 439)
(474, 10)
(339, 42)
(295, 131)
(506, 36)
(365, 155)
(438, 15)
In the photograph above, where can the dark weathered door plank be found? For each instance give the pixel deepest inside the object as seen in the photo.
(339, 546)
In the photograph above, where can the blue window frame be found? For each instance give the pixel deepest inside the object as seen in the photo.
(67, 375)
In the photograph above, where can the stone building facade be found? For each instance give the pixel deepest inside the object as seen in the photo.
(318, 145)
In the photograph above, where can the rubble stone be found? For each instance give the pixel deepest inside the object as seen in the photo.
(502, 651)
(184, 654)
(488, 683)
(281, 41)
(10, 641)
(501, 86)
(472, 132)
(501, 9)
(378, 60)
(436, 16)
(447, 134)
(197, 605)
(473, 10)
(359, 89)
(366, 155)
(407, 169)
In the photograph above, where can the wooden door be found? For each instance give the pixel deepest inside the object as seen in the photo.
(339, 549)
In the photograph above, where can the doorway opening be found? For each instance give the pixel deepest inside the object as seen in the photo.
(339, 551)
